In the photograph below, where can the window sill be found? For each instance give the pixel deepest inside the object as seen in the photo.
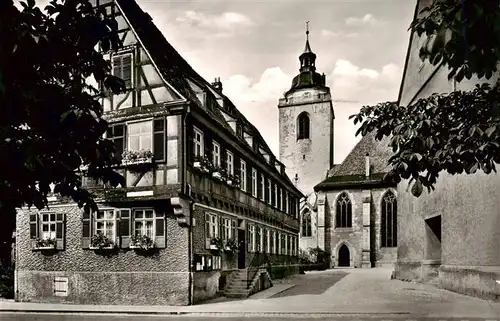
(44, 248)
(344, 229)
(101, 248)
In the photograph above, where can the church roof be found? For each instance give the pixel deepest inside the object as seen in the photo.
(351, 172)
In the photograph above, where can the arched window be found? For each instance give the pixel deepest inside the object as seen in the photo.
(306, 224)
(343, 215)
(303, 126)
(389, 220)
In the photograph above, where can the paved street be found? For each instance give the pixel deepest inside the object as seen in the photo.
(350, 294)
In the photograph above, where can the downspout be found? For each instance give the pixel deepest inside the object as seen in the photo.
(184, 191)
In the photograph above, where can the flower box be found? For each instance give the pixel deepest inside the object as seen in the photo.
(109, 247)
(45, 247)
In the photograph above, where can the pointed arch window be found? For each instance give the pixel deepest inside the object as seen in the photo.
(343, 215)
(389, 220)
(303, 126)
(306, 224)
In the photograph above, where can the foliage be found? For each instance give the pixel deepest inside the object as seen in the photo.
(232, 246)
(305, 257)
(319, 255)
(45, 242)
(142, 242)
(137, 155)
(7, 281)
(457, 132)
(219, 243)
(101, 241)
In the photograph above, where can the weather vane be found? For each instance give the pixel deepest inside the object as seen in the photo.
(307, 27)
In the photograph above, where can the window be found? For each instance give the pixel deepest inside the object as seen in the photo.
(258, 239)
(267, 245)
(306, 224)
(126, 222)
(140, 136)
(198, 143)
(228, 230)
(343, 216)
(105, 223)
(207, 262)
(254, 182)
(216, 154)
(122, 68)
(303, 126)
(251, 238)
(212, 230)
(275, 196)
(47, 226)
(144, 223)
(389, 221)
(230, 163)
(269, 192)
(243, 169)
(262, 187)
(287, 203)
(280, 198)
(273, 243)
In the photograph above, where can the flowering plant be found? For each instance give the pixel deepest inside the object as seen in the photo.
(101, 241)
(142, 242)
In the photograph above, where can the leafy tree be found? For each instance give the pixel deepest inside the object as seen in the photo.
(456, 132)
(50, 122)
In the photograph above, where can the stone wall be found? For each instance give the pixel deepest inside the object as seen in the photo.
(123, 277)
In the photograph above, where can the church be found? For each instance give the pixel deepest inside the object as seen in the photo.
(348, 211)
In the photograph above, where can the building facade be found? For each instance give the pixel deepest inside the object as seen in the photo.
(203, 197)
(450, 235)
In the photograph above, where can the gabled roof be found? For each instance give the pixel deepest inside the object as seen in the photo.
(352, 170)
(177, 71)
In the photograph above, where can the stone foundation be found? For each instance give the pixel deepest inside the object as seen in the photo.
(113, 288)
(478, 281)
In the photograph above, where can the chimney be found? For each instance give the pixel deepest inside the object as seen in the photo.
(217, 84)
(367, 165)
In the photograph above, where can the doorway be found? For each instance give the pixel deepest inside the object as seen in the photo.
(241, 248)
(344, 256)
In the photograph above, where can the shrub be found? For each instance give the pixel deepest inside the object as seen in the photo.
(7, 281)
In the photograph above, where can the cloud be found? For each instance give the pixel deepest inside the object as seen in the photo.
(366, 19)
(338, 34)
(224, 25)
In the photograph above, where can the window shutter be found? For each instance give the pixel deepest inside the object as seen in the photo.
(33, 228)
(159, 139)
(117, 66)
(125, 228)
(117, 228)
(86, 229)
(220, 231)
(160, 230)
(233, 228)
(60, 225)
(249, 239)
(127, 70)
(249, 178)
(119, 140)
(207, 231)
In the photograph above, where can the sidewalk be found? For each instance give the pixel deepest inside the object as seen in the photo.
(361, 292)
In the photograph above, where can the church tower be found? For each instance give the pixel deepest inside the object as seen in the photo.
(306, 125)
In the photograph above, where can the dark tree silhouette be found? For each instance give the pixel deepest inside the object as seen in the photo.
(50, 122)
(457, 132)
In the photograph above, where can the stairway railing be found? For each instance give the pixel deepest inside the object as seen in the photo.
(258, 261)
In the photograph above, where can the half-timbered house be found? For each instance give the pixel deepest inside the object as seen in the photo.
(205, 203)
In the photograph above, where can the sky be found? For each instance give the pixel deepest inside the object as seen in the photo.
(253, 46)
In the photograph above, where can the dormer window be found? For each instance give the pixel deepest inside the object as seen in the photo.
(122, 68)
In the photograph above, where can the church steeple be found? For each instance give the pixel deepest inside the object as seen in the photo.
(307, 58)
(307, 77)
